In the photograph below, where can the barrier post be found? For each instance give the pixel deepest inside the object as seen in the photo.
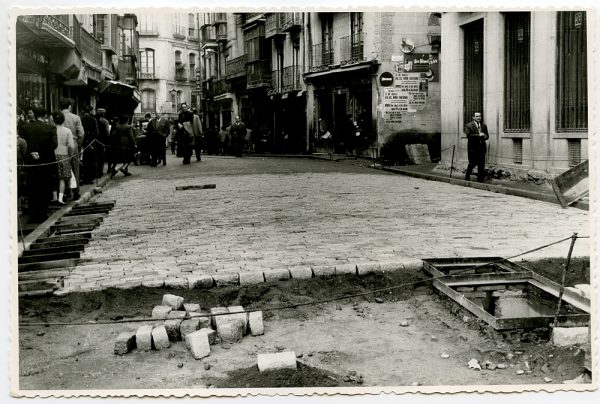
(452, 162)
(562, 281)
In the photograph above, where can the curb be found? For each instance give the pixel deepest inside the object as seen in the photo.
(43, 228)
(407, 264)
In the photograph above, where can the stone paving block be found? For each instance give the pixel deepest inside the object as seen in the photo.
(226, 279)
(251, 278)
(345, 269)
(171, 282)
(238, 312)
(160, 338)
(277, 361)
(172, 301)
(161, 312)
(197, 342)
(172, 327)
(215, 319)
(255, 321)
(143, 338)
(176, 315)
(125, 342)
(563, 336)
(231, 330)
(273, 275)
(189, 326)
(196, 281)
(301, 272)
(212, 335)
(367, 268)
(390, 266)
(323, 270)
(191, 307)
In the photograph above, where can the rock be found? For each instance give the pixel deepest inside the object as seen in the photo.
(207, 366)
(547, 379)
(161, 312)
(217, 313)
(197, 342)
(176, 315)
(124, 343)
(501, 366)
(434, 338)
(474, 364)
(338, 307)
(160, 338)
(403, 323)
(280, 347)
(299, 355)
(466, 319)
(180, 365)
(238, 312)
(231, 331)
(277, 361)
(510, 356)
(189, 326)
(191, 307)
(489, 365)
(562, 336)
(251, 278)
(520, 372)
(173, 301)
(444, 356)
(172, 327)
(255, 321)
(143, 338)
(378, 300)
(578, 380)
(40, 333)
(545, 368)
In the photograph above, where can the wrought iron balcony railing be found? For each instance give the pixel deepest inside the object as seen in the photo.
(352, 47)
(322, 54)
(291, 79)
(236, 67)
(258, 73)
(291, 21)
(273, 24)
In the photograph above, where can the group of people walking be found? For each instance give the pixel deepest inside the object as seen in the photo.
(57, 153)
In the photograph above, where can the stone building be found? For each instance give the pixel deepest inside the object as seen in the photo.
(90, 58)
(168, 62)
(527, 73)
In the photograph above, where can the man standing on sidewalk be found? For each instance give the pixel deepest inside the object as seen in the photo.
(477, 134)
(73, 122)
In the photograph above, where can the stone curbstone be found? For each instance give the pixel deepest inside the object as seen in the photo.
(349, 269)
(255, 322)
(182, 283)
(198, 344)
(251, 278)
(125, 342)
(161, 312)
(191, 307)
(176, 315)
(200, 281)
(238, 312)
(323, 270)
(173, 330)
(366, 268)
(216, 319)
(189, 326)
(412, 264)
(143, 338)
(301, 272)
(154, 283)
(160, 338)
(391, 266)
(563, 336)
(276, 361)
(210, 333)
(273, 275)
(231, 330)
(172, 301)
(226, 279)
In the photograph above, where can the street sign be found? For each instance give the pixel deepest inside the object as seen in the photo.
(386, 79)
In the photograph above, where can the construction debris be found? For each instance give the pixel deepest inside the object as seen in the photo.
(474, 364)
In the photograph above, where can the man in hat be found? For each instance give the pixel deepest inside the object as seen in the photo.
(477, 134)
(237, 131)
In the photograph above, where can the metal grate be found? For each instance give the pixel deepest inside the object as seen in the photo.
(473, 69)
(517, 72)
(574, 151)
(518, 151)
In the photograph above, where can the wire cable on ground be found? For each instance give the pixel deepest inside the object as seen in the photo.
(314, 303)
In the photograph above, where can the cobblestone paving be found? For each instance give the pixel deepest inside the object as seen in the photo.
(285, 214)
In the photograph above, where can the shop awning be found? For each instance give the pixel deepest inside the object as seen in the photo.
(113, 87)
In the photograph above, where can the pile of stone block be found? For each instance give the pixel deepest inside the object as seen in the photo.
(179, 321)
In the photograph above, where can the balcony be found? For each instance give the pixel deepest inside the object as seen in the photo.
(276, 82)
(322, 55)
(50, 30)
(147, 76)
(273, 24)
(258, 73)
(209, 37)
(180, 73)
(291, 79)
(149, 29)
(192, 34)
(179, 32)
(352, 48)
(220, 18)
(291, 22)
(87, 45)
(236, 67)
(220, 87)
(221, 32)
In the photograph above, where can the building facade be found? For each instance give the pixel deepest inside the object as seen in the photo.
(90, 58)
(168, 62)
(527, 73)
(288, 75)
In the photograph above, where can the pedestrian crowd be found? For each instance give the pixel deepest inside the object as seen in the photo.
(58, 152)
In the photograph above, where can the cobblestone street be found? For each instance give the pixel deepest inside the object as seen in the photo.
(273, 214)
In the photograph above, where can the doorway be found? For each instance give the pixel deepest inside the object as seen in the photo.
(473, 69)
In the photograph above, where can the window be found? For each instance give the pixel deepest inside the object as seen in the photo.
(518, 151)
(255, 45)
(100, 26)
(191, 25)
(574, 151)
(516, 72)
(148, 100)
(147, 62)
(147, 25)
(571, 72)
(192, 59)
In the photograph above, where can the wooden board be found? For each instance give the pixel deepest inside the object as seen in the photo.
(572, 185)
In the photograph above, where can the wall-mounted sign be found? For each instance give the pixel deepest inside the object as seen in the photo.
(398, 58)
(427, 63)
(386, 79)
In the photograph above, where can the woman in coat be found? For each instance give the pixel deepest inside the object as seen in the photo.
(185, 136)
(123, 146)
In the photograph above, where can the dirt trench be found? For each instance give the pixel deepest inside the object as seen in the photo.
(404, 337)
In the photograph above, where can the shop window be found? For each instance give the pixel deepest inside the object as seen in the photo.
(571, 72)
(517, 117)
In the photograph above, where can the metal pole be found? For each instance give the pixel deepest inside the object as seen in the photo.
(452, 162)
(562, 282)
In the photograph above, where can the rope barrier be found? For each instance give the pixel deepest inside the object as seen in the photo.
(315, 303)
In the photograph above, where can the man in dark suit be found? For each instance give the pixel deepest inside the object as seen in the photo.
(477, 134)
(40, 171)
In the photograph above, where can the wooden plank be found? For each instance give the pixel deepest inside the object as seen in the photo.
(574, 299)
(572, 185)
(486, 279)
(38, 266)
(56, 273)
(48, 257)
(466, 303)
(192, 187)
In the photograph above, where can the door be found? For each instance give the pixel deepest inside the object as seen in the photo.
(473, 69)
